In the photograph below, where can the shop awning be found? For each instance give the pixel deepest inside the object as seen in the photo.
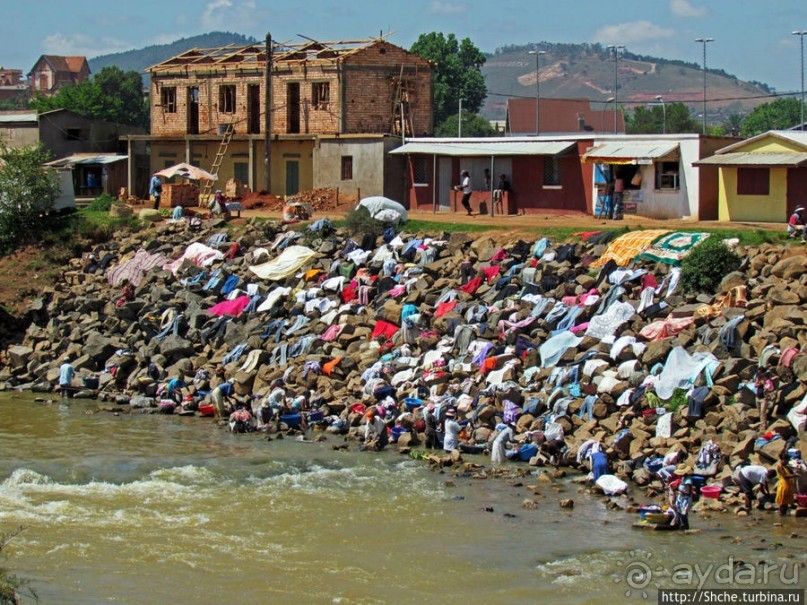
(629, 153)
(757, 160)
(85, 159)
(481, 149)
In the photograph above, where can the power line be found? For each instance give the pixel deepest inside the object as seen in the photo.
(716, 99)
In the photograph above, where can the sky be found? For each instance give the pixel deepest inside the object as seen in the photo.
(752, 38)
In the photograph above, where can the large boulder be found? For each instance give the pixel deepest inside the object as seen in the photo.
(790, 268)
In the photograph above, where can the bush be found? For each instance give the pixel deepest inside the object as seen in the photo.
(707, 264)
(359, 222)
(102, 203)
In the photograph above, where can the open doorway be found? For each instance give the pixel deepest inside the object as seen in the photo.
(293, 108)
(254, 109)
(193, 110)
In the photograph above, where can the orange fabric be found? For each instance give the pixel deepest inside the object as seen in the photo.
(312, 273)
(489, 365)
(328, 367)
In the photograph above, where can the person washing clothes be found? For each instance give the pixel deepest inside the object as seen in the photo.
(66, 373)
(375, 431)
(797, 224)
(498, 452)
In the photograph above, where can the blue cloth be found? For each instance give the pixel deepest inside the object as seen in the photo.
(226, 389)
(177, 213)
(599, 465)
(155, 186)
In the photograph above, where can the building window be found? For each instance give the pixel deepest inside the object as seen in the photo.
(420, 170)
(753, 181)
(241, 171)
(667, 175)
(72, 134)
(347, 167)
(168, 99)
(227, 98)
(320, 95)
(551, 171)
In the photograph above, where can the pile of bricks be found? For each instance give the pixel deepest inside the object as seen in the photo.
(235, 189)
(179, 194)
(320, 199)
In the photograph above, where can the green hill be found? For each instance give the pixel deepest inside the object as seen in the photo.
(587, 71)
(138, 60)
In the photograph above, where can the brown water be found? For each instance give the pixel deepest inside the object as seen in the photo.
(156, 509)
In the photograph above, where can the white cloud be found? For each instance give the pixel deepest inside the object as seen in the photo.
(79, 44)
(442, 7)
(635, 32)
(229, 15)
(683, 8)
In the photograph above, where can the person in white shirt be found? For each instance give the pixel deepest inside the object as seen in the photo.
(753, 478)
(452, 429)
(498, 452)
(465, 187)
(375, 431)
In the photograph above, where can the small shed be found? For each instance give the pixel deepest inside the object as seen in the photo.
(94, 174)
(762, 178)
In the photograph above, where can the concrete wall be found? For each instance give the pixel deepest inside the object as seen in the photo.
(368, 165)
(21, 135)
(94, 135)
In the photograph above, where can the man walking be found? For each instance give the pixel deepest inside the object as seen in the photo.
(465, 187)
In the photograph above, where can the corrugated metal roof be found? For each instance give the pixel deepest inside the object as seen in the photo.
(82, 158)
(17, 117)
(754, 159)
(629, 151)
(477, 147)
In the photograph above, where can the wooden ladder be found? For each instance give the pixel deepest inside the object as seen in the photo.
(207, 189)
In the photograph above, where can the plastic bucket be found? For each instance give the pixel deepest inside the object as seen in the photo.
(397, 431)
(801, 500)
(527, 451)
(711, 491)
(291, 420)
(90, 382)
(207, 410)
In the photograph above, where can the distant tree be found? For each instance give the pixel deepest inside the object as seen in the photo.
(650, 120)
(26, 190)
(781, 114)
(473, 125)
(458, 73)
(112, 95)
(733, 124)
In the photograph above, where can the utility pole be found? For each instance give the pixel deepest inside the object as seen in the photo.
(801, 35)
(459, 120)
(704, 41)
(267, 118)
(537, 54)
(616, 48)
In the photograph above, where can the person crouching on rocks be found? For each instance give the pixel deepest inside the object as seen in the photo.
(222, 397)
(375, 432)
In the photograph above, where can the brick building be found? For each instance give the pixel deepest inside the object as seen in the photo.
(12, 84)
(51, 72)
(344, 98)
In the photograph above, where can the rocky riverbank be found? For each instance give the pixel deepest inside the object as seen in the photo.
(530, 333)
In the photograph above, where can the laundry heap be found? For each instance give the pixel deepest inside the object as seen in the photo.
(591, 341)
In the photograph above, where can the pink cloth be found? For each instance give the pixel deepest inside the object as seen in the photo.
(665, 328)
(331, 333)
(397, 291)
(230, 307)
(491, 272)
(499, 256)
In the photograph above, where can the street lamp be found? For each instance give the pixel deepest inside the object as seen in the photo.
(616, 48)
(704, 41)
(660, 99)
(459, 120)
(537, 54)
(801, 35)
(604, 109)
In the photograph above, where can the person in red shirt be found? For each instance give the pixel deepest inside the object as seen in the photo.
(796, 223)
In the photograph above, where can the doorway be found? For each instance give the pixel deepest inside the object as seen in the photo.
(293, 108)
(292, 177)
(193, 110)
(254, 109)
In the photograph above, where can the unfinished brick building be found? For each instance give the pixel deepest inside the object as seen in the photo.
(335, 108)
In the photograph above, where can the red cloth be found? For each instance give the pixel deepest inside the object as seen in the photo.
(489, 365)
(499, 256)
(649, 281)
(230, 307)
(384, 328)
(445, 307)
(472, 286)
(348, 293)
(491, 272)
(231, 251)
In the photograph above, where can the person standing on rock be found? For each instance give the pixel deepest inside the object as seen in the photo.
(787, 484)
(66, 373)
(763, 382)
(452, 430)
(431, 424)
(465, 187)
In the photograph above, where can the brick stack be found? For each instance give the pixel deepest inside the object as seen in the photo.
(179, 194)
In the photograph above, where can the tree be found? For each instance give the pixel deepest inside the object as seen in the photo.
(112, 95)
(473, 125)
(781, 114)
(457, 75)
(651, 120)
(26, 190)
(733, 124)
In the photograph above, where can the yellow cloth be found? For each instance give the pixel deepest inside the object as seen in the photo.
(624, 248)
(785, 487)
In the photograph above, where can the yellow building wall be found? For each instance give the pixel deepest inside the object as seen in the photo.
(771, 145)
(771, 208)
(164, 154)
